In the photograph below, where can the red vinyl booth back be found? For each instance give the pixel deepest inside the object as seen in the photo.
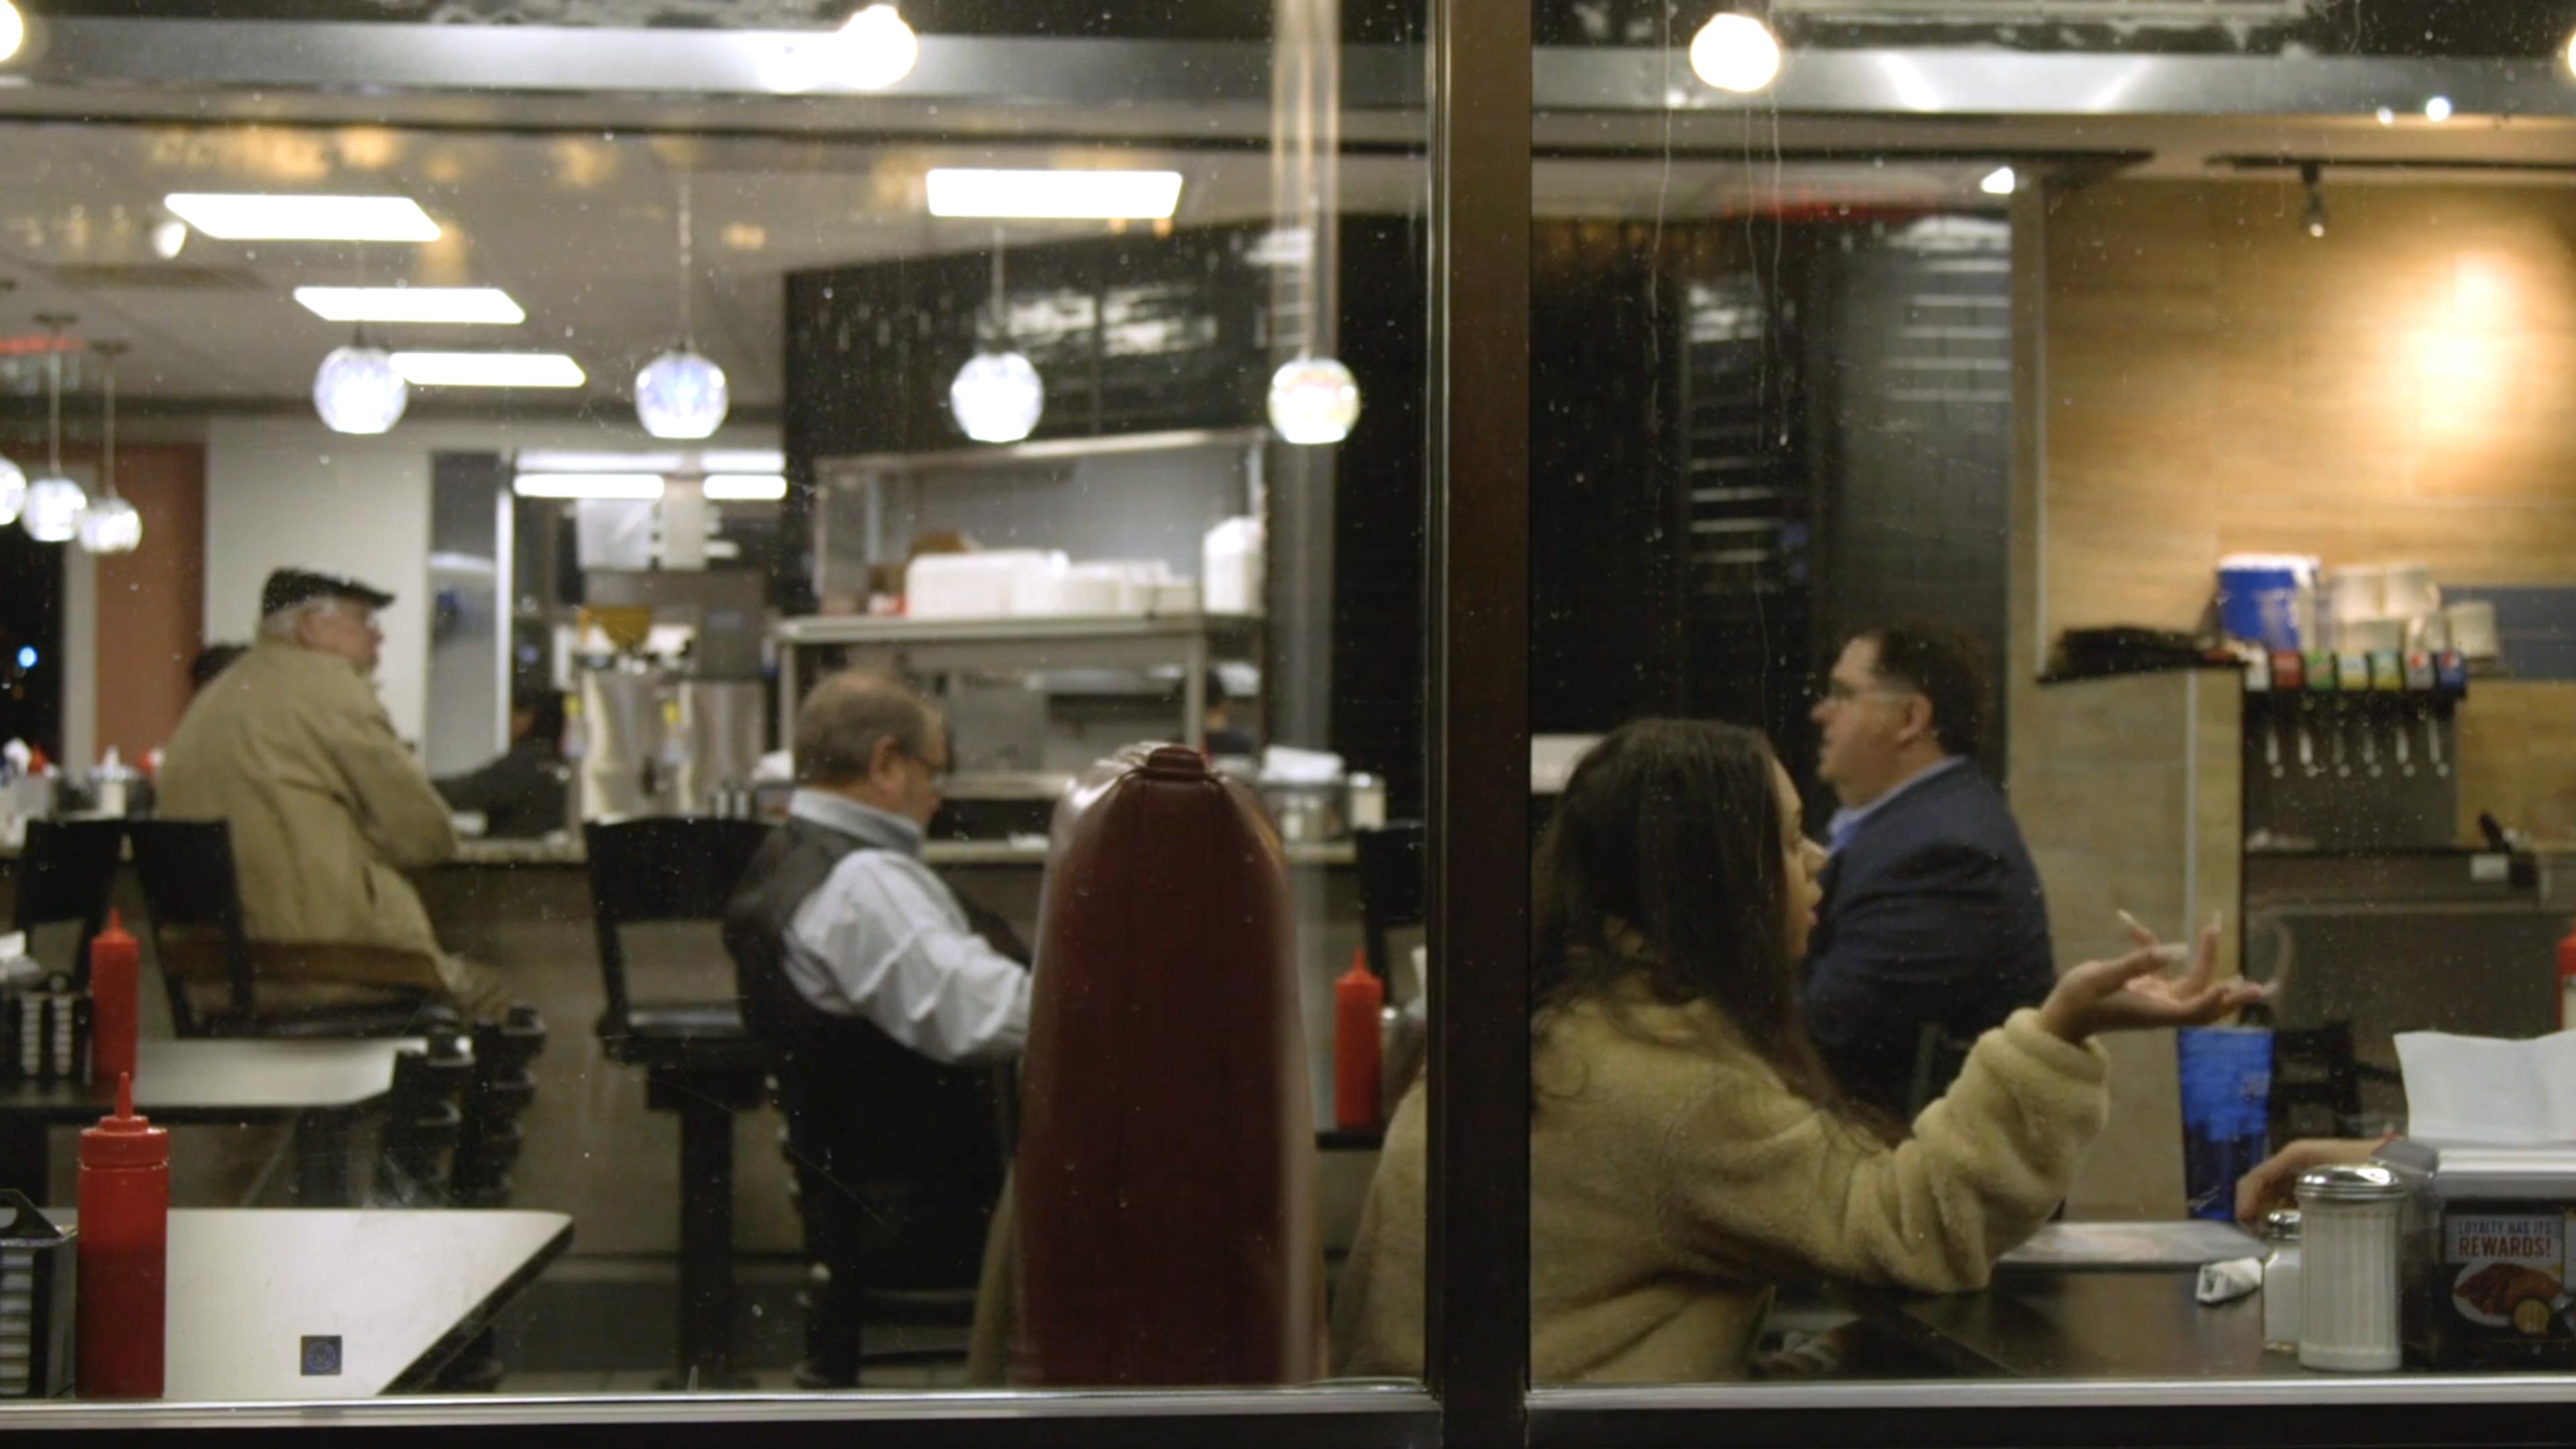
(1166, 1209)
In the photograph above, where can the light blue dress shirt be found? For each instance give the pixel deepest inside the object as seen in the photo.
(883, 939)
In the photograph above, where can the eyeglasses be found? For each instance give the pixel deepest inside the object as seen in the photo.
(940, 770)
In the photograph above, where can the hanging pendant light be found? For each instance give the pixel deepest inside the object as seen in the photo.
(1735, 52)
(358, 390)
(997, 396)
(877, 48)
(681, 394)
(110, 524)
(54, 502)
(1313, 398)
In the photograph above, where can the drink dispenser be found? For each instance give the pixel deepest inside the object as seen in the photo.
(2351, 751)
(1165, 1183)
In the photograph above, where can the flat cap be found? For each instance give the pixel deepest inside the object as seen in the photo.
(287, 588)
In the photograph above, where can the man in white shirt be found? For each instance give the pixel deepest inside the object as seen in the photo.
(872, 980)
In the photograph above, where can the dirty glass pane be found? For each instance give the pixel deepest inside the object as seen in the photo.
(2050, 600)
(681, 548)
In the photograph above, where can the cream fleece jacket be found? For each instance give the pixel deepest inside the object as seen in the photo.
(1675, 1178)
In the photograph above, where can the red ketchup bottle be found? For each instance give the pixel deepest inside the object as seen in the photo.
(1357, 998)
(124, 1253)
(115, 984)
(2567, 982)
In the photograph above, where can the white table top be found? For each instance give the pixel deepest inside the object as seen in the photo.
(248, 1285)
(230, 1080)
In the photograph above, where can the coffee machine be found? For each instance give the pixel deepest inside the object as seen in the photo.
(672, 711)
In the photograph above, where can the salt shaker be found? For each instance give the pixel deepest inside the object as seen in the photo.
(2281, 1288)
(2348, 1229)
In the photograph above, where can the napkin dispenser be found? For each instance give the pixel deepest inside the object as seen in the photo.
(2484, 1243)
(36, 1265)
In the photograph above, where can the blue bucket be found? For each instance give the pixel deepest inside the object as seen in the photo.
(2258, 598)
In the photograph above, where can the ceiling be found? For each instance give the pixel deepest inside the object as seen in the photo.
(581, 229)
(569, 201)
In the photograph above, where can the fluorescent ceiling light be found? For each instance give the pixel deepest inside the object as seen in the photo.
(234, 217)
(488, 305)
(643, 486)
(741, 460)
(489, 369)
(746, 487)
(1069, 195)
(551, 460)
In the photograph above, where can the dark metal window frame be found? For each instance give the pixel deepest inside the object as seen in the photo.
(1480, 87)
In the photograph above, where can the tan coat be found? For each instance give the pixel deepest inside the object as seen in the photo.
(291, 746)
(1674, 1179)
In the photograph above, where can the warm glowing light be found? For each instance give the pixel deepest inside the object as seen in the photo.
(1313, 400)
(1735, 53)
(13, 30)
(877, 48)
(1999, 182)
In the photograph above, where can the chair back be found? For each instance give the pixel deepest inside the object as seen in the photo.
(1165, 1196)
(659, 868)
(1390, 867)
(192, 892)
(66, 873)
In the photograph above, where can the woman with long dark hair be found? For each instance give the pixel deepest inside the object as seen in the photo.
(1689, 1149)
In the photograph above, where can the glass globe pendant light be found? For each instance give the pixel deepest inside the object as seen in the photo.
(13, 492)
(110, 524)
(877, 48)
(358, 390)
(997, 396)
(54, 502)
(1313, 400)
(1735, 52)
(681, 394)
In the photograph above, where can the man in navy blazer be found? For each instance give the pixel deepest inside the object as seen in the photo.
(1932, 915)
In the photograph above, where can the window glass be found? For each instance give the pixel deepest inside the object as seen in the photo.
(2048, 549)
(653, 560)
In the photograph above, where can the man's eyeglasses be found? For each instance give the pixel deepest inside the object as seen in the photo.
(940, 770)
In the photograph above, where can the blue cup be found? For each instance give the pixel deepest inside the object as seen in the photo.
(2226, 1112)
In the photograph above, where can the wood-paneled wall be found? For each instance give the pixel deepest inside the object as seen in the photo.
(2219, 380)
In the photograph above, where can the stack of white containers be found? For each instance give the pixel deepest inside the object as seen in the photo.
(1045, 584)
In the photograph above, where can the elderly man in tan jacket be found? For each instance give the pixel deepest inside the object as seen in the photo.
(292, 749)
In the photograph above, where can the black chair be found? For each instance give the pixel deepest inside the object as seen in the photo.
(2316, 1082)
(1390, 866)
(192, 892)
(699, 1061)
(67, 873)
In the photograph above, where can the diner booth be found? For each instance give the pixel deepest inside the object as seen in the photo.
(1267, 465)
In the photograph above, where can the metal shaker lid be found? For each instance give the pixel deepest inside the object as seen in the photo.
(2366, 1183)
(2281, 1224)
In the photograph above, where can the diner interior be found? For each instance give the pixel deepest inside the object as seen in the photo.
(1083, 376)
